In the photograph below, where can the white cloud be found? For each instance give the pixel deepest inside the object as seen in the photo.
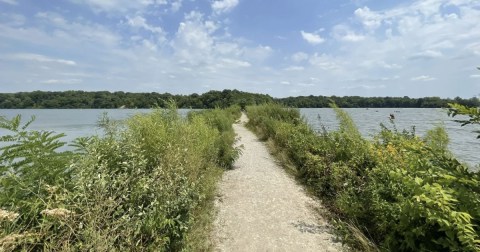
(223, 6)
(323, 62)
(234, 63)
(299, 57)
(52, 18)
(312, 38)
(12, 2)
(258, 53)
(352, 37)
(301, 84)
(61, 81)
(474, 48)
(176, 5)
(41, 58)
(366, 87)
(193, 42)
(344, 33)
(295, 68)
(378, 79)
(423, 78)
(141, 22)
(380, 64)
(119, 6)
(201, 54)
(370, 20)
(73, 33)
(428, 54)
(12, 19)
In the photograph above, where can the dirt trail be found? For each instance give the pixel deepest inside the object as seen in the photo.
(261, 208)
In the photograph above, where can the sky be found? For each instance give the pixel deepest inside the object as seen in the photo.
(277, 47)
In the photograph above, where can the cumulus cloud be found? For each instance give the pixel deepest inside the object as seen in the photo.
(370, 46)
(141, 22)
(312, 38)
(370, 20)
(193, 42)
(223, 6)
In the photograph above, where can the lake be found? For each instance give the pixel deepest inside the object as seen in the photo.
(73, 122)
(463, 142)
(83, 122)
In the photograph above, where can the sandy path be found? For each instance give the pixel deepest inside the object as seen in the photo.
(261, 208)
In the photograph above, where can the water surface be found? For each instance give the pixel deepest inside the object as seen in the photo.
(84, 122)
(463, 142)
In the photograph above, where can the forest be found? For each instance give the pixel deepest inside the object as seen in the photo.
(211, 99)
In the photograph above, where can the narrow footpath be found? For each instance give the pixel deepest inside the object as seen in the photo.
(261, 208)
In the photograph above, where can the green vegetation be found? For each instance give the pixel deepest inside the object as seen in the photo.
(146, 185)
(374, 102)
(397, 192)
(473, 114)
(211, 99)
(103, 99)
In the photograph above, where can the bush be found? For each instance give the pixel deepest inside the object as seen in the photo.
(144, 186)
(404, 193)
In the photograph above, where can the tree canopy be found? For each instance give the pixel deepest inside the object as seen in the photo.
(211, 99)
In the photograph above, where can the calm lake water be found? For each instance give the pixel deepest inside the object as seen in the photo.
(73, 122)
(463, 142)
(83, 122)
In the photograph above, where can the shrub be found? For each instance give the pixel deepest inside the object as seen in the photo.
(142, 187)
(404, 193)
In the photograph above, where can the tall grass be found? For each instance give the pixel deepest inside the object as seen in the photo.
(396, 193)
(147, 185)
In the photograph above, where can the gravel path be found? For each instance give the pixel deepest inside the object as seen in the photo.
(261, 208)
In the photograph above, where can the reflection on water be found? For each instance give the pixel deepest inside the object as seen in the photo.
(463, 142)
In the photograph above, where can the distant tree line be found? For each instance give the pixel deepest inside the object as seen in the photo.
(211, 99)
(105, 99)
(375, 102)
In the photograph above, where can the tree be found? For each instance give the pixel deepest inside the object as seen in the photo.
(473, 114)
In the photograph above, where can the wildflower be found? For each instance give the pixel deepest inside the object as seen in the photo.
(57, 212)
(8, 216)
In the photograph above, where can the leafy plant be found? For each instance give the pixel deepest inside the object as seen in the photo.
(147, 185)
(30, 161)
(473, 114)
(404, 193)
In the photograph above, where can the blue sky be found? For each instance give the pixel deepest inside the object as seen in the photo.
(278, 47)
